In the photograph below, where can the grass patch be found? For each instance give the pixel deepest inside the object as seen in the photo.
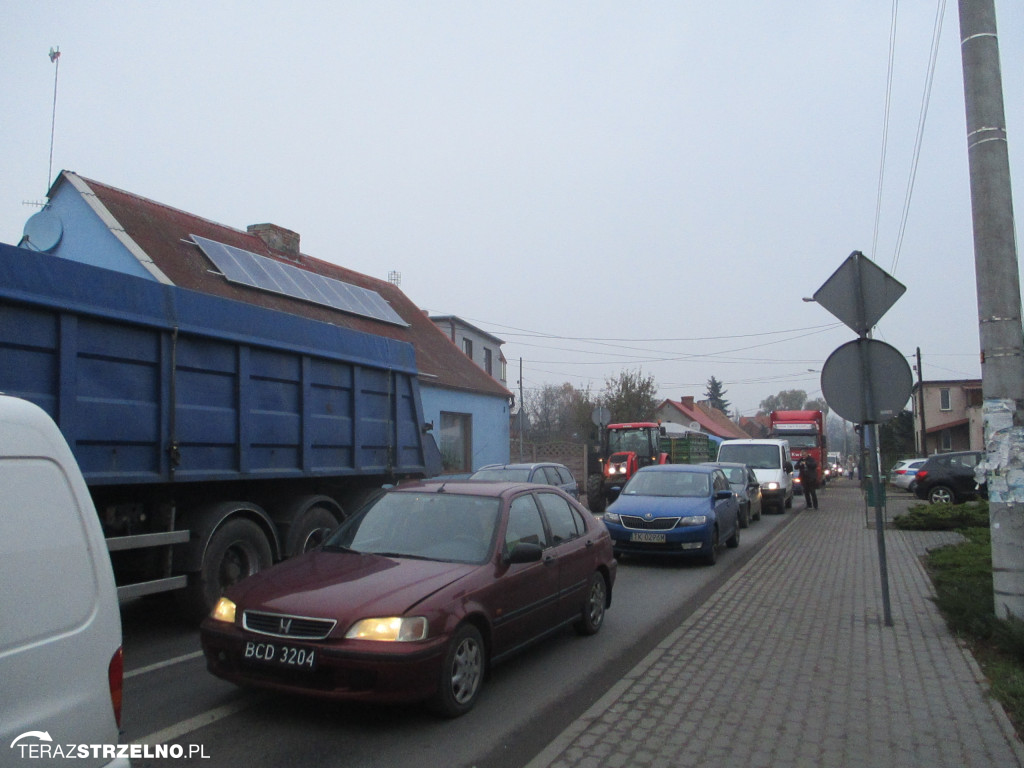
(962, 575)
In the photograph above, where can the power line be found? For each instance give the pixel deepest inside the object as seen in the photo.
(922, 117)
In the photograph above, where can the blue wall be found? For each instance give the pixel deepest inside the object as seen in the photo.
(86, 238)
(490, 421)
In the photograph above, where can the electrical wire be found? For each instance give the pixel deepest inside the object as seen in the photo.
(885, 123)
(919, 139)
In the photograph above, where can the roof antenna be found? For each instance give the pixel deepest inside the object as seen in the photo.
(55, 58)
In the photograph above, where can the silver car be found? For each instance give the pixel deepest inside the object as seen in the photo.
(904, 473)
(745, 485)
(543, 472)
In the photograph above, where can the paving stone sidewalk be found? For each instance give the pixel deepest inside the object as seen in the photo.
(790, 664)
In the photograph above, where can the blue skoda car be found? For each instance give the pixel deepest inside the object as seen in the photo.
(675, 509)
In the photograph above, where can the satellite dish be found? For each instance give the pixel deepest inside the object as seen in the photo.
(695, 426)
(42, 232)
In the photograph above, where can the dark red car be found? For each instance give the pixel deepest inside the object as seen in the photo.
(416, 596)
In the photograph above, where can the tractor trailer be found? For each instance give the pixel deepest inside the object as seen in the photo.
(805, 431)
(215, 436)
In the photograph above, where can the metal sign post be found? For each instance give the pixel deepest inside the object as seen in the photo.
(866, 381)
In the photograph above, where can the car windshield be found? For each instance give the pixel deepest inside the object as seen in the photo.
(635, 440)
(802, 441)
(509, 474)
(428, 526)
(757, 456)
(667, 484)
(736, 475)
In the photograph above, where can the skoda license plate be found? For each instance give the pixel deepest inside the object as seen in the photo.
(647, 538)
(279, 655)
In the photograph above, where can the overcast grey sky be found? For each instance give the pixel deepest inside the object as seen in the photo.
(604, 185)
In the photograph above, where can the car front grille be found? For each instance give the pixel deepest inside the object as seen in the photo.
(657, 524)
(283, 625)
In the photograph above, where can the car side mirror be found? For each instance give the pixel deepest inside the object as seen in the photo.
(723, 494)
(788, 466)
(524, 552)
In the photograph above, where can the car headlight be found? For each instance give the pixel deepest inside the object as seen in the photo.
(771, 486)
(392, 629)
(224, 610)
(611, 517)
(693, 520)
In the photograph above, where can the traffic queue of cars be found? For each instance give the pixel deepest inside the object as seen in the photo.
(420, 593)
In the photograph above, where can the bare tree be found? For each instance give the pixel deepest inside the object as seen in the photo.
(631, 396)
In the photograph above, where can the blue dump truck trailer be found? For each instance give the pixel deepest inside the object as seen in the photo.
(215, 436)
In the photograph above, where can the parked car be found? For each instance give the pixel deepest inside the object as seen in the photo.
(416, 596)
(949, 478)
(675, 509)
(61, 665)
(745, 485)
(545, 473)
(904, 473)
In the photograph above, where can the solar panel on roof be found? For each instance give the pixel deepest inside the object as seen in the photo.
(248, 268)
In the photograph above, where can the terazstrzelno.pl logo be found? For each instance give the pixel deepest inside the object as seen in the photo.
(39, 745)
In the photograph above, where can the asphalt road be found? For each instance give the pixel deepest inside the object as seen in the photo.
(169, 698)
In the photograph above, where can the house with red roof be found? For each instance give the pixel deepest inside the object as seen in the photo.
(97, 224)
(701, 416)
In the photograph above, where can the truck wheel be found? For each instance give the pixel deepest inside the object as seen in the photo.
(309, 530)
(237, 549)
(595, 494)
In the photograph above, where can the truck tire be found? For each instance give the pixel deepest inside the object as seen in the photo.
(309, 530)
(237, 549)
(595, 494)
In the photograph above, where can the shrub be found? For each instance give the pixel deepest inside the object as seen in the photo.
(944, 517)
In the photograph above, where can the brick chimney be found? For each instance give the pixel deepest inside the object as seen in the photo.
(687, 401)
(278, 238)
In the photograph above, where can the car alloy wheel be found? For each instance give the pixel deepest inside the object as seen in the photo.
(462, 673)
(940, 494)
(593, 609)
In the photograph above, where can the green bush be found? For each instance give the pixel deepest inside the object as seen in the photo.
(944, 517)
(962, 574)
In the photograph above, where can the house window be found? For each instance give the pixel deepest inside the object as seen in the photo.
(488, 361)
(944, 403)
(456, 441)
(947, 440)
(467, 347)
(504, 371)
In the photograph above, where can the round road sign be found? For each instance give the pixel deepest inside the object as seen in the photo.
(867, 381)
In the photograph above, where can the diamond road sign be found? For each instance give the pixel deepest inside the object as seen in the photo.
(859, 292)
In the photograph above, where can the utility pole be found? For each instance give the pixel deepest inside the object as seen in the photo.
(922, 449)
(522, 409)
(999, 303)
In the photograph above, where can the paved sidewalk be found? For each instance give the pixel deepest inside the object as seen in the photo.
(790, 664)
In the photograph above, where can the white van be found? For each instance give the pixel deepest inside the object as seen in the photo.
(60, 626)
(772, 464)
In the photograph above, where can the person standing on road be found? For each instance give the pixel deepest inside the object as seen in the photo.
(809, 481)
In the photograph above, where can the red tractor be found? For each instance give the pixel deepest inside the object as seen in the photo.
(624, 449)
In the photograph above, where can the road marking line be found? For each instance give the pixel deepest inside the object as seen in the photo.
(176, 731)
(162, 664)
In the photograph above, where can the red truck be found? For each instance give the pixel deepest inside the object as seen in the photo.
(805, 431)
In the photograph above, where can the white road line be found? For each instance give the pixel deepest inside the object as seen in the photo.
(178, 730)
(162, 664)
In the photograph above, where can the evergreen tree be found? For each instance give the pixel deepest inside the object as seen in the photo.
(716, 395)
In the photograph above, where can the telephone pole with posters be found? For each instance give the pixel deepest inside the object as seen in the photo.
(999, 301)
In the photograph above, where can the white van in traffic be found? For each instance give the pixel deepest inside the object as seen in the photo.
(60, 626)
(772, 464)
